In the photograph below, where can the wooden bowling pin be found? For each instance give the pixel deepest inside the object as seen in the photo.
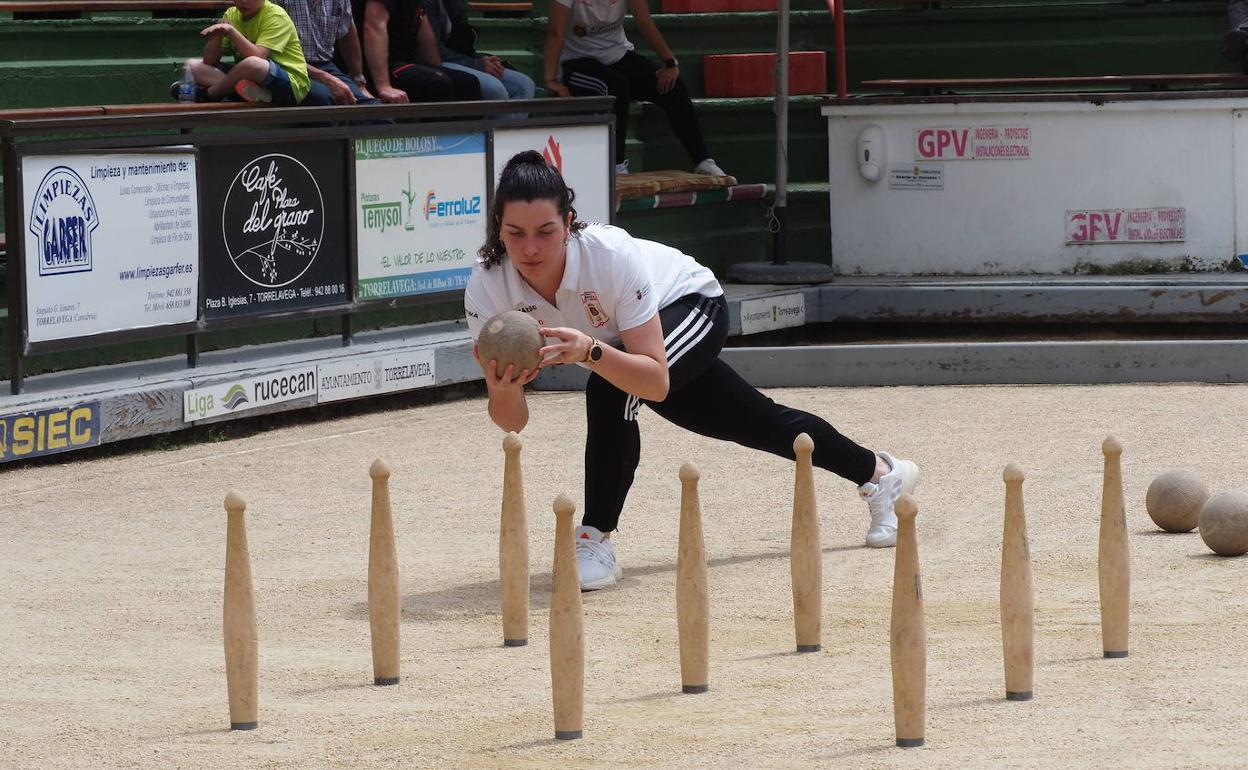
(238, 619)
(1017, 595)
(513, 549)
(1114, 562)
(567, 637)
(805, 554)
(692, 596)
(907, 636)
(383, 581)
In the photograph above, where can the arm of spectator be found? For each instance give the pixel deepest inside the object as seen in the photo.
(353, 57)
(245, 47)
(428, 43)
(641, 17)
(212, 48)
(377, 51)
(556, 27)
(339, 93)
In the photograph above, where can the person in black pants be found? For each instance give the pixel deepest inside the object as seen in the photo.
(402, 56)
(648, 322)
(585, 40)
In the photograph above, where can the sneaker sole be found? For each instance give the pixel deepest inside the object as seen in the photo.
(606, 582)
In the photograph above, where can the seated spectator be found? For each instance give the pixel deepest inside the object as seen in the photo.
(585, 39)
(1235, 44)
(268, 60)
(457, 41)
(324, 25)
(401, 53)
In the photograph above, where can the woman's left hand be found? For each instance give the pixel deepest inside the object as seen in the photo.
(667, 78)
(572, 346)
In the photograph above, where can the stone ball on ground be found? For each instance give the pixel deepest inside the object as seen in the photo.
(511, 337)
(1224, 523)
(1174, 500)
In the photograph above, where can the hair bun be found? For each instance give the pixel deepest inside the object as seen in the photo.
(526, 158)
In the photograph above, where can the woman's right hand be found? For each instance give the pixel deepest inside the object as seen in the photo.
(508, 379)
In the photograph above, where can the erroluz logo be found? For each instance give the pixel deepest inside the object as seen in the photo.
(62, 218)
(455, 207)
(235, 396)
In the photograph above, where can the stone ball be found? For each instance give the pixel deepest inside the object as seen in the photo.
(511, 337)
(1224, 523)
(1174, 500)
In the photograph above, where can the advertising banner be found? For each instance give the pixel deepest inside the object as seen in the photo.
(363, 376)
(420, 214)
(248, 393)
(275, 238)
(111, 242)
(581, 153)
(49, 431)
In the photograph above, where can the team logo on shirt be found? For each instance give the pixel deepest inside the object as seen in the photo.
(593, 309)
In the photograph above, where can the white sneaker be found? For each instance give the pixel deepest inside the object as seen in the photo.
(595, 559)
(710, 168)
(621, 168)
(880, 497)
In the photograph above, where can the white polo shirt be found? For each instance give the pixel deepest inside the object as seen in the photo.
(612, 282)
(595, 31)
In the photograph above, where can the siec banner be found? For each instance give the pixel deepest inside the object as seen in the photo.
(581, 153)
(248, 393)
(275, 239)
(420, 212)
(111, 242)
(49, 431)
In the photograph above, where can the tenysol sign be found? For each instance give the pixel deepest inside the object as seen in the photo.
(420, 212)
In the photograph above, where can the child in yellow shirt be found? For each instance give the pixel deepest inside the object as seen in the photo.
(268, 60)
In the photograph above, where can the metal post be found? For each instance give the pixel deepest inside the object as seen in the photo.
(780, 269)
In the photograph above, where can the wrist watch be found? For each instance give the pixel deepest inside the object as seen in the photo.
(361, 79)
(670, 63)
(595, 352)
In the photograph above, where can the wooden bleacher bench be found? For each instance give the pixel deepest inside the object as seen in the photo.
(930, 86)
(489, 8)
(69, 9)
(672, 188)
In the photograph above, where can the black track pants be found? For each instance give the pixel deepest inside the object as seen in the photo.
(634, 78)
(707, 397)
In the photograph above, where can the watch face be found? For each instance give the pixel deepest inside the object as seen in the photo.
(595, 352)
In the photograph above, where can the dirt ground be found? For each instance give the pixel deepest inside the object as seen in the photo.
(111, 579)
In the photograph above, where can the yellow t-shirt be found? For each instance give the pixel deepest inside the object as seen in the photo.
(272, 28)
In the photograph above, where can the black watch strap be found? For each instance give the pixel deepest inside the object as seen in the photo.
(670, 63)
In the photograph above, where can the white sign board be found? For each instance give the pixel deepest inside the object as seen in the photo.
(420, 212)
(362, 376)
(581, 153)
(916, 176)
(1151, 225)
(248, 393)
(111, 242)
(770, 313)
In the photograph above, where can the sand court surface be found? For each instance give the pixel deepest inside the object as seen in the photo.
(111, 575)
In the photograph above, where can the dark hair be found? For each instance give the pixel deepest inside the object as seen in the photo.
(526, 177)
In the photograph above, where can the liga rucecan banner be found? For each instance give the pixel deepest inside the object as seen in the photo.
(274, 228)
